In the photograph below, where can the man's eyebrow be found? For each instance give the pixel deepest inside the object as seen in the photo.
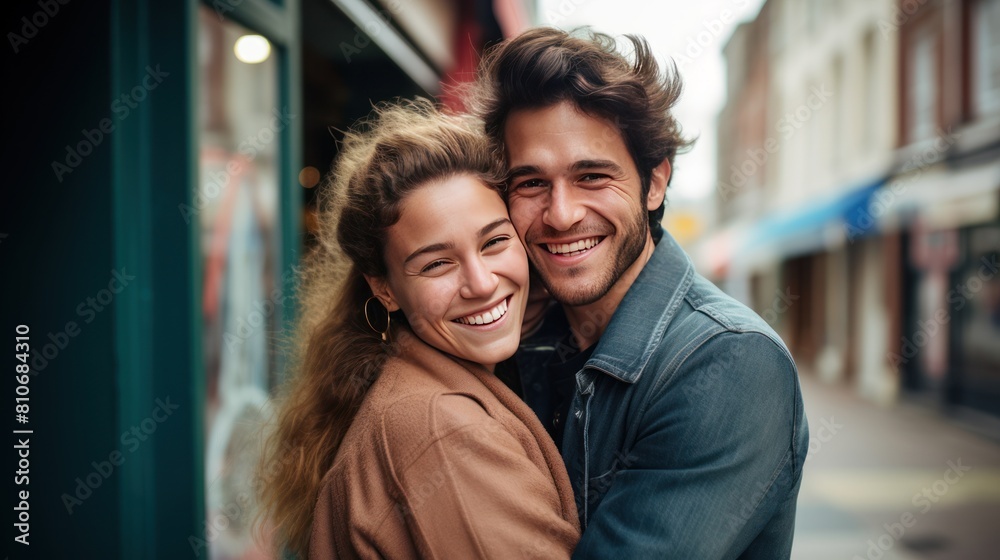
(585, 164)
(522, 170)
(580, 165)
(428, 249)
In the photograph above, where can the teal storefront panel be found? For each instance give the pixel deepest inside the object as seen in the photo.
(58, 266)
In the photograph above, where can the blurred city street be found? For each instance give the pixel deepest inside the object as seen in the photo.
(900, 482)
(172, 161)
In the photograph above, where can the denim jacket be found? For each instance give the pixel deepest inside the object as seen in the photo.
(686, 436)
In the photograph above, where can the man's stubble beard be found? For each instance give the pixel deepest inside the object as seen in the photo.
(634, 241)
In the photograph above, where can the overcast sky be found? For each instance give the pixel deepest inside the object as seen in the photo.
(674, 29)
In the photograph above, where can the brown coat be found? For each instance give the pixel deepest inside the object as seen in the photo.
(444, 461)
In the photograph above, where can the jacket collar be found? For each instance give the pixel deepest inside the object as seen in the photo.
(644, 313)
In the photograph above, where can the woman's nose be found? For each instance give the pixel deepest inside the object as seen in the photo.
(479, 280)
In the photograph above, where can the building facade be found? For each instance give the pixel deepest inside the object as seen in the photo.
(868, 196)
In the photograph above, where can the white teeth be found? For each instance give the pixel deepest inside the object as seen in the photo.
(486, 317)
(576, 246)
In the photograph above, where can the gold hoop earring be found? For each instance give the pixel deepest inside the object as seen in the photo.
(388, 319)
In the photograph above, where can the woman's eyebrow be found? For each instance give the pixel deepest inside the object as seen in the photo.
(493, 225)
(428, 249)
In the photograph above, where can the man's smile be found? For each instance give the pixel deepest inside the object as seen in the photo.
(574, 248)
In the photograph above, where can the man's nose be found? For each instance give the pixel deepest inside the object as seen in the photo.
(479, 280)
(564, 209)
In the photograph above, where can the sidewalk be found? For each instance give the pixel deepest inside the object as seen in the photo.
(893, 483)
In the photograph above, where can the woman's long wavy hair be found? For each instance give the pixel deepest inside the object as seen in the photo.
(336, 356)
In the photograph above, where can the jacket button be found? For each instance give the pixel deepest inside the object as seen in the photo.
(578, 414)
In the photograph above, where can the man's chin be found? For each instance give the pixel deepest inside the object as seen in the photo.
(575, 291)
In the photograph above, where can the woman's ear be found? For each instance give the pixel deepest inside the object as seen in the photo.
(380, 287)
(658, 185)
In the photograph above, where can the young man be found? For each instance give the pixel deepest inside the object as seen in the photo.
(677, 409)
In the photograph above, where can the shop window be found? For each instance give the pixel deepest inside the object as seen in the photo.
(975, 301)
(986, 57)
(240, 124)
(921, 84)
(870, 104)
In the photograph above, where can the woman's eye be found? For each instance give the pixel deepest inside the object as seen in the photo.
(496, 241)
(431, 266)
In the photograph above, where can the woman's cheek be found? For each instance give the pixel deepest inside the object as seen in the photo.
(437, 296)
(517, 263)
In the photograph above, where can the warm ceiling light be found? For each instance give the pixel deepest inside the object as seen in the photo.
(309, 177)
(252, 49)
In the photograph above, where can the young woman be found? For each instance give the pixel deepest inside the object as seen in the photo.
(395, 438)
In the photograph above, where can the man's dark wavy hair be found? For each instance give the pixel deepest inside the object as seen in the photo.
(545, 66)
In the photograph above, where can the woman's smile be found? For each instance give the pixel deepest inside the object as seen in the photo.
(487, 317)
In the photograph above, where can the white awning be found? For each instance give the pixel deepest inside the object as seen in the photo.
(943, 197)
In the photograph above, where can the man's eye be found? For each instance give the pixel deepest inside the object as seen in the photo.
(592, 177)
(530, 183)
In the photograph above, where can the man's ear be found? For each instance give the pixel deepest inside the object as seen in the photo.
(658, 185)
(380, 287)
